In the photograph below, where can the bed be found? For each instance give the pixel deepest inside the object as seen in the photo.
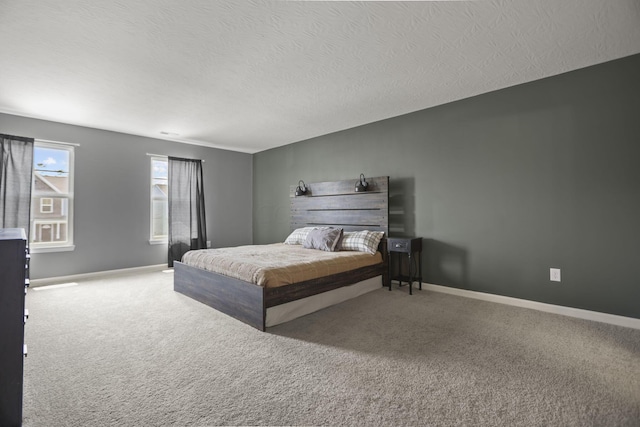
(326, 204)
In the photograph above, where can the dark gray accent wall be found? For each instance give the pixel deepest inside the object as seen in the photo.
(502, 186)
(112, 185)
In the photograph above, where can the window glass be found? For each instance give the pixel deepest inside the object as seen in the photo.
(159, 199)
(52, 196)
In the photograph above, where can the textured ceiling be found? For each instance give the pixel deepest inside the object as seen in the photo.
(252, 75)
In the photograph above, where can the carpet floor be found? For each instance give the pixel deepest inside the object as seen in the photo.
(129, 351)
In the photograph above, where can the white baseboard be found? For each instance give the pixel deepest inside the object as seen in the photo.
(98, 274)
(628, 322)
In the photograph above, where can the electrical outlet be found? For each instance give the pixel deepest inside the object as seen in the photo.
(208, 243)
(554, 274)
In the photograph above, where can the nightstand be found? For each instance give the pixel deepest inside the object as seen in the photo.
(410, 246)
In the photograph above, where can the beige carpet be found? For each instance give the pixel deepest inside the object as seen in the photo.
(130, 351)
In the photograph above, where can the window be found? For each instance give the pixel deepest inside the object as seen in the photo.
(46, 205)
(52, 197)
(159, 200)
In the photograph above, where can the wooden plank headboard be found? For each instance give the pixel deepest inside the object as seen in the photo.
(337, 204)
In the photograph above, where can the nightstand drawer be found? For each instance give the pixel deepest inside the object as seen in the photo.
(406, 245)
(399, 245)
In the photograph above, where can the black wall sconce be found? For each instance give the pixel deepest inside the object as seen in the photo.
(301, 190)
(362, 185)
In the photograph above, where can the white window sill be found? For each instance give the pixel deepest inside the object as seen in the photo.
(45, 249)
(158, 242)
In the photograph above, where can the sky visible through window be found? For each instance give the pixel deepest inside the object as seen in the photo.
(159, 171)
(51, 162)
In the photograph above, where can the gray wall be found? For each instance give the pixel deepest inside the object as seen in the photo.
(502, 186)
(112, 184)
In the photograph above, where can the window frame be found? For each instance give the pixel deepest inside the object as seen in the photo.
(153, 240)
(68, 245)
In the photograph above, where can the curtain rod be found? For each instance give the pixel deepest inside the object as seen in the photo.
(58, 142)
(164, 155)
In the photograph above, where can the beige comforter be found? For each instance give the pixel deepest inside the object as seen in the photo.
(277, 264)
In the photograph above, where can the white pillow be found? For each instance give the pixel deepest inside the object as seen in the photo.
(298, 236)
(361, 241)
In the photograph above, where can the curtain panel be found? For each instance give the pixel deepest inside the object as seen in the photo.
(187, 221)
(16, 172)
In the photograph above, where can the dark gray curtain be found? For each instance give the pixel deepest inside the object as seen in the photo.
(16, 172)
(187, 225)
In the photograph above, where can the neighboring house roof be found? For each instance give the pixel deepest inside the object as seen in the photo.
(159, 191)
(51, 184)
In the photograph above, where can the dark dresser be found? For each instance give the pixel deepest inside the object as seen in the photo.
(14, 273)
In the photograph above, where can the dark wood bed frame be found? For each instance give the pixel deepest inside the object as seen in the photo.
(334, 204)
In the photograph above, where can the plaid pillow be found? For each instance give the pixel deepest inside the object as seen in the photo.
(298, 236)
(362, 241)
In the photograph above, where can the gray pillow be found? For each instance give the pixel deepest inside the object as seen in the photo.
(324, 239)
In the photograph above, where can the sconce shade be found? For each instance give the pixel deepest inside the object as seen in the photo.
(301, 189)
(362, 185)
